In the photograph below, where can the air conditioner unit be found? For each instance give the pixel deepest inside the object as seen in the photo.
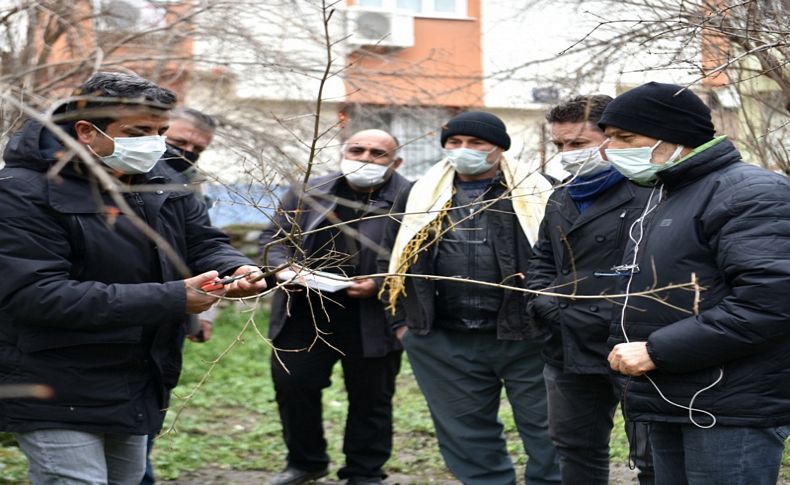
(128, 15)
(377, 28)
(545, 94)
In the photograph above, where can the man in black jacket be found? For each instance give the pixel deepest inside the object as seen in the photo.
(583, 236)
(90, 304)
(708, 368)
(188, 134)
(467, 228)
(335, 224)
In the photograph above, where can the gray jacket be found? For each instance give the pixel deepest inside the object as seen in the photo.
(377, 337)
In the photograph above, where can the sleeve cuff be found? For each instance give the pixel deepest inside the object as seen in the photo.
(652, 353)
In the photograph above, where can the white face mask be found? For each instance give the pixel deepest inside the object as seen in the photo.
(583, 162)
(469, 162)
(134, 155)
(635, 163)
(364, 175)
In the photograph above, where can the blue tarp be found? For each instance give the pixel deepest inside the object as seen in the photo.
(241, 203)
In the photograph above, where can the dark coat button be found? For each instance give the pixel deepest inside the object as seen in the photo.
(563, 304)
(600, 238)
(565, 271)
(593, 308)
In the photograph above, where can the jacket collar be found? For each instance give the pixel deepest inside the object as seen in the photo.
(76, 193)
(617, 195)
(697, 166)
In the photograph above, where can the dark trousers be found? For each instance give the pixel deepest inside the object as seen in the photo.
(370, 384)
(581, 411)
(461, 376)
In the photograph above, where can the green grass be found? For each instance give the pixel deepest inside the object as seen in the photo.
(231, 420)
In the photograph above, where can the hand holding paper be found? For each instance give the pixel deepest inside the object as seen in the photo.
(316, 280)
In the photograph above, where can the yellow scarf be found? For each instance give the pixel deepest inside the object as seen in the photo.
(431, 197)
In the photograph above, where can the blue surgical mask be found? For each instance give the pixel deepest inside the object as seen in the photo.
(469, 162)
(635, 163)
(134, 155)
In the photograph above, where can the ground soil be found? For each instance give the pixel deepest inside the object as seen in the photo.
(619, 475)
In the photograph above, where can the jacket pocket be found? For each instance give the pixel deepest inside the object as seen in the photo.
(545, 310)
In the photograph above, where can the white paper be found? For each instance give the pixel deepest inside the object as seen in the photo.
(317, 280)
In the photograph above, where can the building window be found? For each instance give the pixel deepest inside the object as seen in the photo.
(416, 128)
(129, 15)
(427, 8)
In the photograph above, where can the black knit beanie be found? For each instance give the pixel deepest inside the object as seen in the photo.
(654, 110)
(479, 124)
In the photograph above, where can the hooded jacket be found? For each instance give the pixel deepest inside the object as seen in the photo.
(89, 306)
(727, 223)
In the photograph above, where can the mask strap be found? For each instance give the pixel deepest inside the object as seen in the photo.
(102, 132)
(675, 154)
(90, 148)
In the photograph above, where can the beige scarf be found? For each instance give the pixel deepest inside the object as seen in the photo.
(428, 203)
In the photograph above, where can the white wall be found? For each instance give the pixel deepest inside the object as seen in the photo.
(275, 50)
(515, 36)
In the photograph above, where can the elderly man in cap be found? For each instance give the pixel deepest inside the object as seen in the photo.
(343, 215)
(708, 369)
(473, 216)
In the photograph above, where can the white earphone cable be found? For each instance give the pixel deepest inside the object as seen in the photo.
(633, 269)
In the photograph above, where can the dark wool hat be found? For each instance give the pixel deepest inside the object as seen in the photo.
(480, 125)
(655, 110)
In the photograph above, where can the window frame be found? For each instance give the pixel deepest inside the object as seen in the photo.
(428, 9)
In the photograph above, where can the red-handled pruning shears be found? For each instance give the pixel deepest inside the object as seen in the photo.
(217, 284)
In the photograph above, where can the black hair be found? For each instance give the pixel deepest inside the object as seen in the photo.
(579, 109)
(97, 100)
(201, 120)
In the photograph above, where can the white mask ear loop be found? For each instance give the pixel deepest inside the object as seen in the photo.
(90, 148)
(632, 267)
(672, 158)
(675, 155)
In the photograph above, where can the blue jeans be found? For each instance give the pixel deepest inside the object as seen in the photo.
(686, 454)
(58, 456)
(461, 376)
(581, 411)
(148, 477)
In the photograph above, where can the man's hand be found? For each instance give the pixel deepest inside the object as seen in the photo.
(400, 332)
(245, 286)
(197, 301)
(205, 332)
(294, 286)
(362, 289)
(631, 359)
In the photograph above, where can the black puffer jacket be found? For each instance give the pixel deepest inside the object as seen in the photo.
(88, 306)
(512, 249)
(728, 223)
(571, 248)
